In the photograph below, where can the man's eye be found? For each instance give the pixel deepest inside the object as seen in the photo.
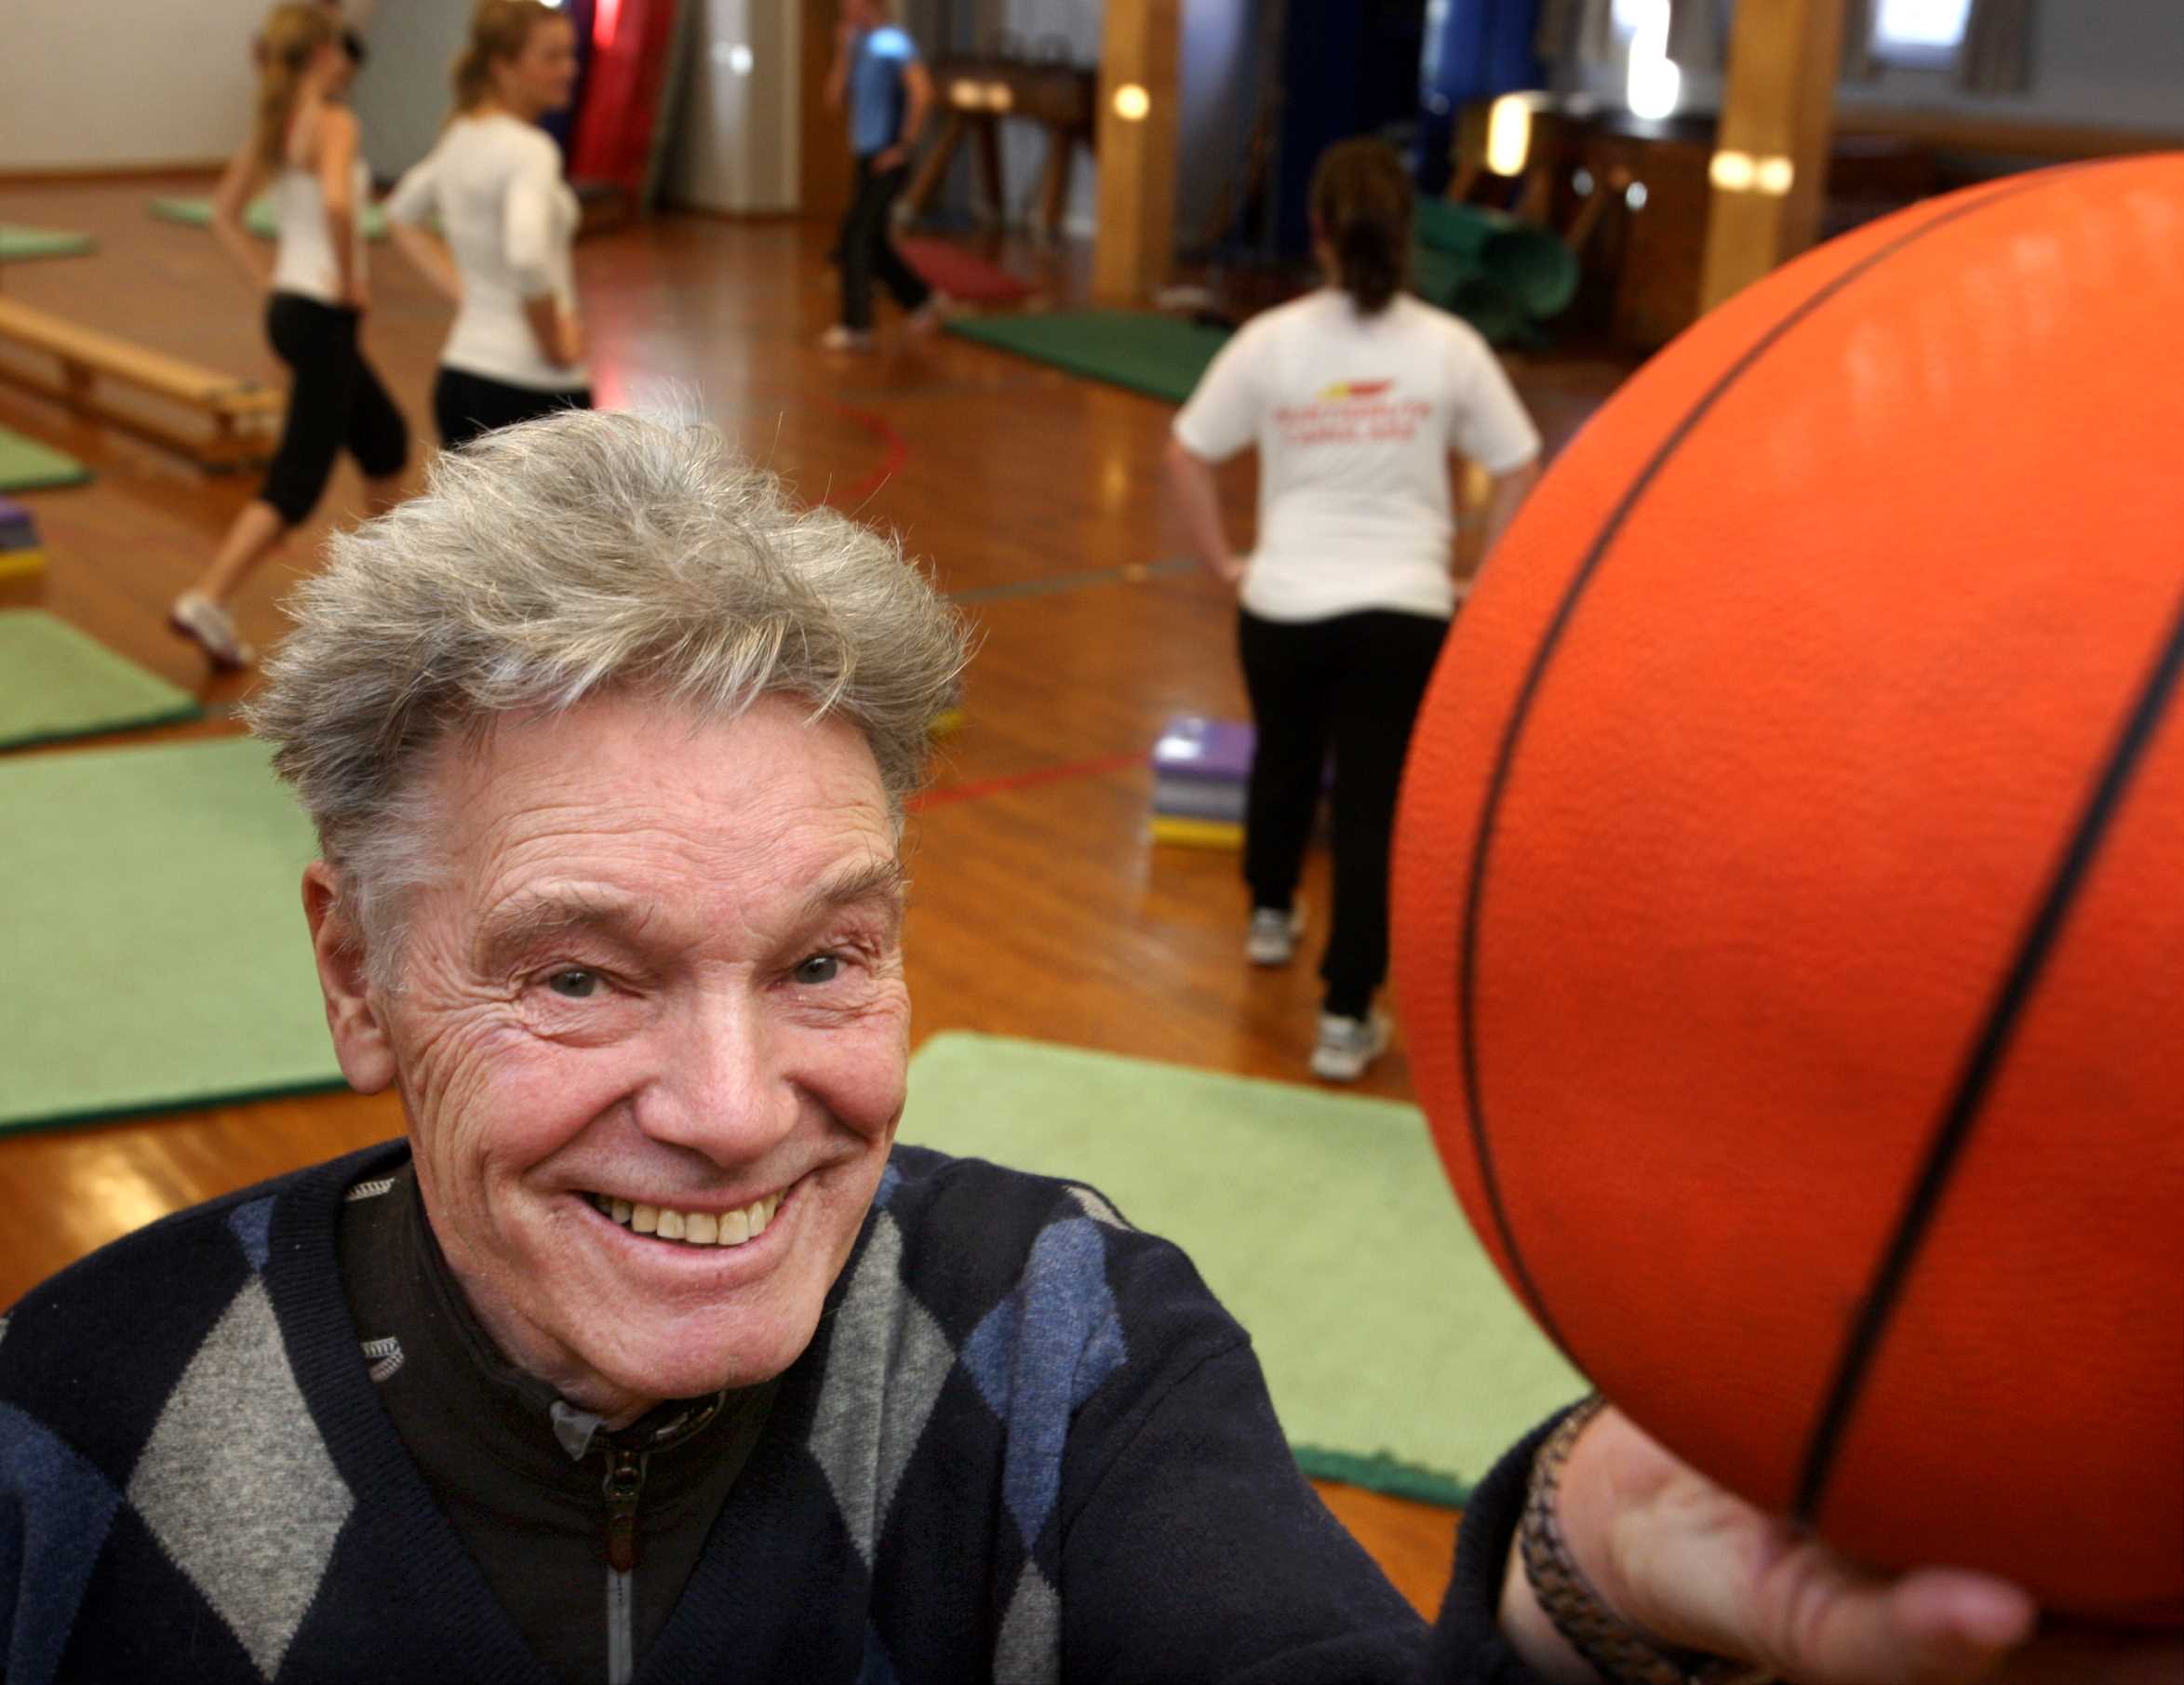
(574, 984)
(820, 967)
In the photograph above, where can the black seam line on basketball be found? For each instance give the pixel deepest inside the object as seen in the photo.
(1988, 1050)
(1474, 897)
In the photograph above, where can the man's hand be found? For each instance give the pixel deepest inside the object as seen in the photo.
(894, 158)
(1696, 1567)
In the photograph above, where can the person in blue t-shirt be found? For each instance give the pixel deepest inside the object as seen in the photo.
(887, 89)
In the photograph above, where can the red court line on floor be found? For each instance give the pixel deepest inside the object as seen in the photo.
(894, 449)
(979, 787)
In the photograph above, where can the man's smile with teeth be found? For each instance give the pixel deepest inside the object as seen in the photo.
(692, 1228)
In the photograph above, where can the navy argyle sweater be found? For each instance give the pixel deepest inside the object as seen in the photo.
(1025, 1444)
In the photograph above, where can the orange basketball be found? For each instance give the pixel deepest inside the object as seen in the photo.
(1789, 892)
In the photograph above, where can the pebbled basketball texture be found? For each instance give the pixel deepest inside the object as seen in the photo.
(1789, 892)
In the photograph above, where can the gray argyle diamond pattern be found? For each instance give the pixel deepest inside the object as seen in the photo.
(236, 1486)
(863, 1435)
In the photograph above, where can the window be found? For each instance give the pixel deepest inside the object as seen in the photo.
(1921, 32)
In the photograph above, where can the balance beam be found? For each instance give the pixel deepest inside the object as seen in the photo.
(244, 414)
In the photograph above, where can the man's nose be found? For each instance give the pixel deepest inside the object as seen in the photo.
(722, 1089)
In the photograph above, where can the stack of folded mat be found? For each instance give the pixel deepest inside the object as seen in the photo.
(1505, 276)
(21, 560)
(1200, 767)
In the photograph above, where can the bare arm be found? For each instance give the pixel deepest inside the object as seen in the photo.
(918, 86)
(237, 182)
(337, 186)
(1195, 495)
(427, 253)
(1509, 491)
(560, 339)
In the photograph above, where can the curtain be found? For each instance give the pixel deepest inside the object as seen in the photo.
(1996, 57)
(1859, 62)
(1694, 33)
(1575, 30)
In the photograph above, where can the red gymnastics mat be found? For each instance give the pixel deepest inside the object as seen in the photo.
(961, 275)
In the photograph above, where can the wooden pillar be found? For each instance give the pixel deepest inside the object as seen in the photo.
(1769, 163)
(1140, 88)
(824, 175)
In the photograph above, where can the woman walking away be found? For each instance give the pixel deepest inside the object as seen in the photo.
(306, 141)
(494, 181)
(1354, 395)
(888, 90)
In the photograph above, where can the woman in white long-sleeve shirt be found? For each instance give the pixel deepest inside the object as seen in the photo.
(507, 219)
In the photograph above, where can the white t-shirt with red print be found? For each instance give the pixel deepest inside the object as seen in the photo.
(1354, 417)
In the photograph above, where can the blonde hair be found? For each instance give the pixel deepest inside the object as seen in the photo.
(499, 30)
(292, 38)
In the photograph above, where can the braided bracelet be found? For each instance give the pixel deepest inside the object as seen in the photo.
(1618, 1651)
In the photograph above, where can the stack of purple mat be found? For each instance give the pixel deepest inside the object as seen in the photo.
(1200, 769)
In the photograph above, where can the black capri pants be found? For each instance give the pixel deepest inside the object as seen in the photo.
(1353, 684)
(335, 402)
(466, 406)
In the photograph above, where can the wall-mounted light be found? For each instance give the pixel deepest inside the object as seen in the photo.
(739, 59)
(1132, 102)
(967, 94)
(1508, 135)
(1739, 172)
(998, 96)
(1635, 195)
(1732, 171)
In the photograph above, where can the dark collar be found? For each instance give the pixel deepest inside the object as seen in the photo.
(483, 1398)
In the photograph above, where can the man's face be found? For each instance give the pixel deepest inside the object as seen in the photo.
(661, 971)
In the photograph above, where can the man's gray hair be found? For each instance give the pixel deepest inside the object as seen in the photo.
(585, 552)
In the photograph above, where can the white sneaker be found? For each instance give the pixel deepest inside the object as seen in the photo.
(934, 314)
(838, 338)
(1273, 937)
(1347, 1045)
(207, 625)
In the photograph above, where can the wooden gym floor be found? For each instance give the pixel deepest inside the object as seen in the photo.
(1038, 910)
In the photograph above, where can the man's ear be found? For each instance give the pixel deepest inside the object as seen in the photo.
(360, 1038)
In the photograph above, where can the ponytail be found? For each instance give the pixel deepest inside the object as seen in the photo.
(1363, 204)
(284, 50)
(499, 30)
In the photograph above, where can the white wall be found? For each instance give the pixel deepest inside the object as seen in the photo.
(736, 146)
(111, 83)
(403, 96)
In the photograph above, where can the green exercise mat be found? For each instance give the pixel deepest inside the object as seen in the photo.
(1530, 262)
(26, 465)
(56, 682)
(1159, 356)
(257, 216)
(1397, 1358)
(153, 928)
(17, 243)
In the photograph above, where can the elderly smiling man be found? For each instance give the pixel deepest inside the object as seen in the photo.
(648, 1354)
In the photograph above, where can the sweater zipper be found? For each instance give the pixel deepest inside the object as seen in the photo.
(624, 1483)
